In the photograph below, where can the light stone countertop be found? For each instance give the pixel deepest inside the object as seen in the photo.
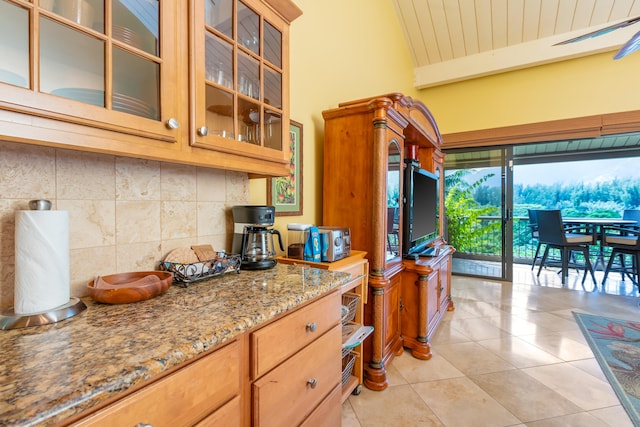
(49, 373)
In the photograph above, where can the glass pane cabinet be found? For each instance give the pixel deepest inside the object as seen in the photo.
(99, 61)
(240, 78)
(200, 82)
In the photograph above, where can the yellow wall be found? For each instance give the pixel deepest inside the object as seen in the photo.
(346, 50)
(340, 51)
(580, 87)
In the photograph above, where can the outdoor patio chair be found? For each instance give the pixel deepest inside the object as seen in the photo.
(627, 242)
(533, 226)
(633, 215)
(622, 230)
(553, 234)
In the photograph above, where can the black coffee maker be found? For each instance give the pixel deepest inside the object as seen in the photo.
(253, 237)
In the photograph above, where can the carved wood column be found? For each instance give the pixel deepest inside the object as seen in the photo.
(375, 374)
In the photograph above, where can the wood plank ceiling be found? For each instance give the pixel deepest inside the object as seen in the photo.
(454, 40)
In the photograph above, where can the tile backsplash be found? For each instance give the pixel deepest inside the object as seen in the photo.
(125, 214)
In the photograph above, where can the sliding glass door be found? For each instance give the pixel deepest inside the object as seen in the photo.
(489, 192)
(478, 206)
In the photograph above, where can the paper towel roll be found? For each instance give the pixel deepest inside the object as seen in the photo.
(42, 261)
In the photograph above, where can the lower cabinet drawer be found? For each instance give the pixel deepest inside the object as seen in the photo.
(274, 343)
(180, 399)
(289, 393)
(329, 413)
(227, 416)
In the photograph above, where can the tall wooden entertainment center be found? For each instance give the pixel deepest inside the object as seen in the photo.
(365, 144)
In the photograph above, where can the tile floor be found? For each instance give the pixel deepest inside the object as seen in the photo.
(510, 354)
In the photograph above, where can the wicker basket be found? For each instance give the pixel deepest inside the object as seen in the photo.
(349, 306)
(348, 361)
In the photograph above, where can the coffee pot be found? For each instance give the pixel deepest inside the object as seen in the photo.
(258, 249)
(253, 237)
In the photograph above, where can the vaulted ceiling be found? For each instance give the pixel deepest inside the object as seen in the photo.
(454, 40)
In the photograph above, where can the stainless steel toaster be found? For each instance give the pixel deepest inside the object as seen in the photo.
(335, 243)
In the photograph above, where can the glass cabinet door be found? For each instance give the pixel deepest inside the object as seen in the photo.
(394, 204)
(239, 78)
(85, 54)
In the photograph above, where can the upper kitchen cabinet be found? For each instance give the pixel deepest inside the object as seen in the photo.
(241, 72)
(202, 82)
(105, 65)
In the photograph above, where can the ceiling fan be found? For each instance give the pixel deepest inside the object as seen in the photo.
(630, 46)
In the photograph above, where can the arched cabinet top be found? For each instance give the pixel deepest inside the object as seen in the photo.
(412, 116)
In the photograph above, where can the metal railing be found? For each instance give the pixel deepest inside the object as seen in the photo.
(488, 245)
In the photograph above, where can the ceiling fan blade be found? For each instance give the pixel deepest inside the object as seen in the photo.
(629, 47)
(601, 31)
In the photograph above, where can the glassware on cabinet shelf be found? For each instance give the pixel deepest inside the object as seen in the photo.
(249, 123)
(219, 116)
(88, 13)
(246, 69)
(248, 28)
(248, 76)
(273, 135)
(218, 61)
(14, 44)
(218, 14)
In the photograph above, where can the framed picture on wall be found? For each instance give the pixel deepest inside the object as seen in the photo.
(285, 192)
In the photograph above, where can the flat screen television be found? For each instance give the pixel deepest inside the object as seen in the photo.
(420, 224)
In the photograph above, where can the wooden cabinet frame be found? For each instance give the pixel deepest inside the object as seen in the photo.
(28, 116)
(362, 138)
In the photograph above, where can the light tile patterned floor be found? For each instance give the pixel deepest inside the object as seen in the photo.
(510, 354)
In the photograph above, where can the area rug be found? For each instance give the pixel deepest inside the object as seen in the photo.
(616, 345)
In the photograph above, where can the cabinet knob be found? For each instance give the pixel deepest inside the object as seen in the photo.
(203, 131)
(311, 326)
(172, 123)
(312, 382)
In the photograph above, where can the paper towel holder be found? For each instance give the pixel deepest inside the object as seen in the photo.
(39, 205)
(10, 320)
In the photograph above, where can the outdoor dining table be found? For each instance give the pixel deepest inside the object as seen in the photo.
(598, 227)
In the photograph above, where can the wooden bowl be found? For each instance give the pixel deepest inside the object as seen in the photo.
(124, 288)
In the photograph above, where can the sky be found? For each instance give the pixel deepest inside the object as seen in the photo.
(588, 171)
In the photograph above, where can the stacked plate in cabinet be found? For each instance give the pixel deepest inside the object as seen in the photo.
(12, 78)
(123, 103)
(127, 36)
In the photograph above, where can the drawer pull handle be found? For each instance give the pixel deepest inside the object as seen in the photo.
(143, 425)
(311, 326)
(312, 382)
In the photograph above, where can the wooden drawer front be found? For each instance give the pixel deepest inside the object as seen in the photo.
(274, 343)
(181, 398)
(329, 413)
(228, 416)
(283, 396)
(355, 270)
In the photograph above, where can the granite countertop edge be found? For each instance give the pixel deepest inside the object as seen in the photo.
(56, 371)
